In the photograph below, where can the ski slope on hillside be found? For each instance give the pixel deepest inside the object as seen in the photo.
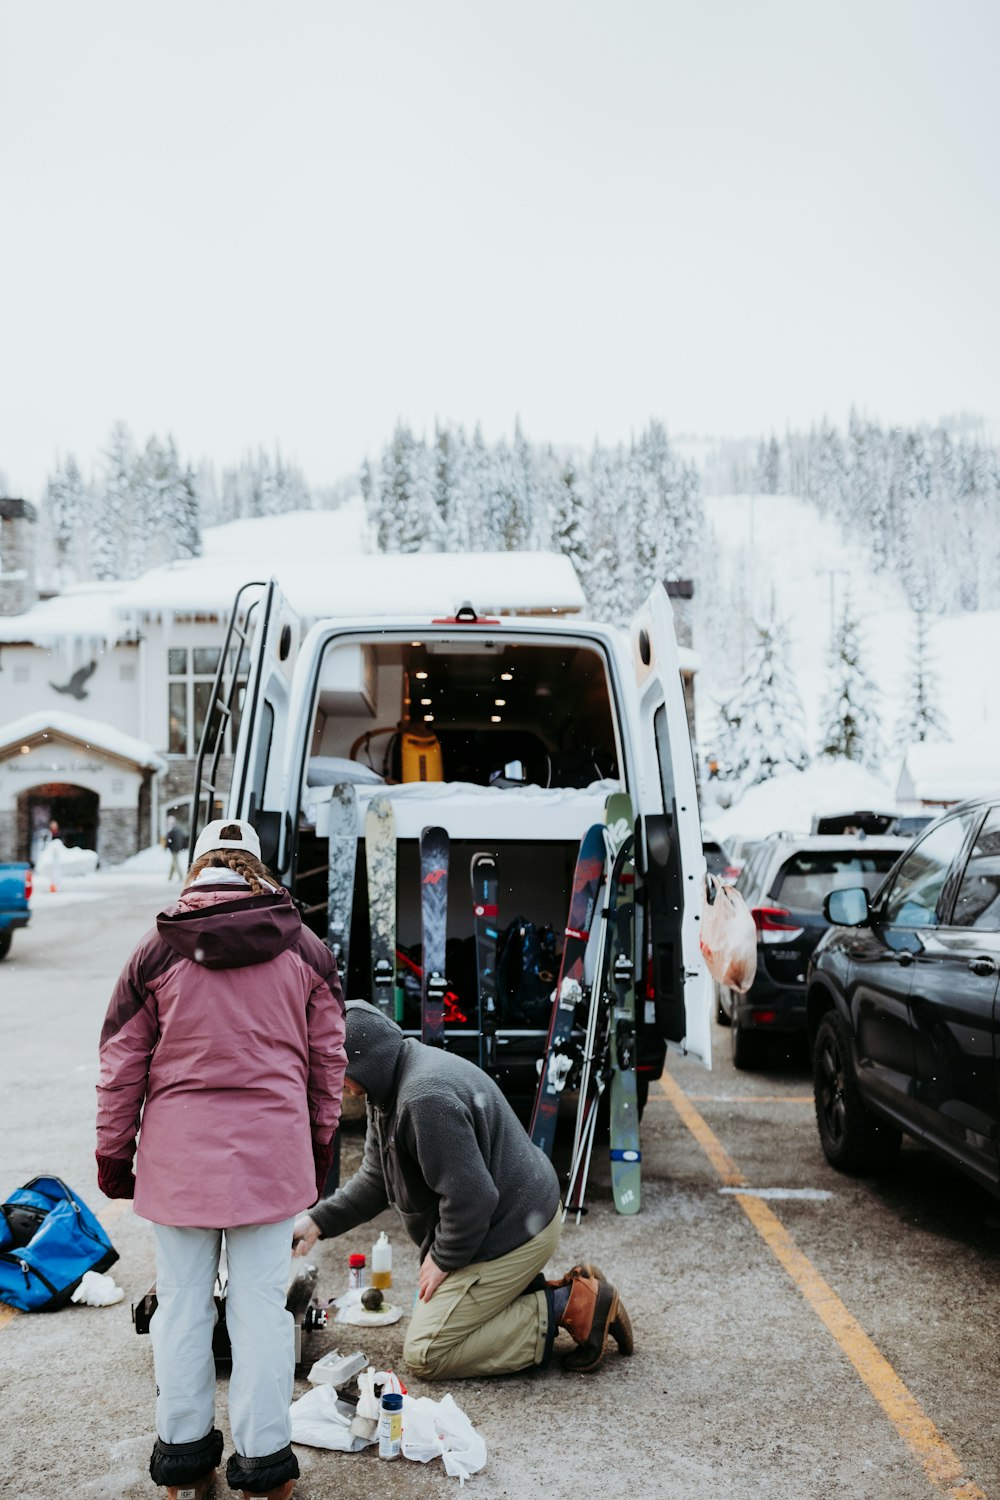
(775, 552)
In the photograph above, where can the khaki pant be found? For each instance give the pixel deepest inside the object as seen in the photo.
(481, 1321)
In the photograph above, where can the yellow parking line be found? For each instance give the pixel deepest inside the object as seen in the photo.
(941, 1463)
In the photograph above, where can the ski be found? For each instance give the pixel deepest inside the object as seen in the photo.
(588, 877)
(434, 930)
(626, 1153)
(343, 857)
(617, 829)
(380, 855)
(484, 915)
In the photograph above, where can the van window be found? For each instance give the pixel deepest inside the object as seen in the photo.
(490, 712)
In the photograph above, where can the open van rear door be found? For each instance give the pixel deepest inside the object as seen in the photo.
(258, 771)
(668, 846)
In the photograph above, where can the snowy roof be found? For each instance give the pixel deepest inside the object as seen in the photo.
(321, 581)
(320, 561)
(46, 724)
(788, 802)
(941, 773)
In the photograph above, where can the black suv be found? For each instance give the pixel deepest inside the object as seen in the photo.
(902, 1004)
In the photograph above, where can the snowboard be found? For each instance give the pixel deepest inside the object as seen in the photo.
(343, 856)
(433, 933)
(588, 877)
(380, 855)
(626, 1154)
(485, 887)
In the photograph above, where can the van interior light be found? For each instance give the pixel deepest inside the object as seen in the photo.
(425, 703)
(495, 718)
(420, 676)
(500, 702)
(416, 643)
(428, 718)
(506, 677)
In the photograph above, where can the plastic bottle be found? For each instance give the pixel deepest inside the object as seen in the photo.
(390, 1426)
(382, 1262)
(356, 1273)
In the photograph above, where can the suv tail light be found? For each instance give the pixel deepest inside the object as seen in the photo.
(775, 924)
(27, 885)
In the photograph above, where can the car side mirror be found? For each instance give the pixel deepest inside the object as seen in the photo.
(848, 908)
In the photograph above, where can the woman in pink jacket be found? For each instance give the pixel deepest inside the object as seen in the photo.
(224, 1042)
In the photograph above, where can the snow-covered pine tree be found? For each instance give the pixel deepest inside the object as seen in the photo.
(519, 525)
(849, 715)
(570, 513)
(66, 506)
(921, 717)
(110, 534)
(601, 576)
(763, 720)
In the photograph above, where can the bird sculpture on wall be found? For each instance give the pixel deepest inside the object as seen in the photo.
(75, 685)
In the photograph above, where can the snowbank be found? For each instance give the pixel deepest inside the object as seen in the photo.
(950, 773)
(56, 862)
(152, 861)
(789, 802)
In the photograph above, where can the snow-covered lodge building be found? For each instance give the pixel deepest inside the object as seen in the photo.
(104, 688)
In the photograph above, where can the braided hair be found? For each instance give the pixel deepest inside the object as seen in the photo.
(240, 861)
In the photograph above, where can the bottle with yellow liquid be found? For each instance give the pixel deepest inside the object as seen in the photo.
(381, 1263)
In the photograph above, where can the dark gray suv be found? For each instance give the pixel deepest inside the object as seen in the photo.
(902, 1004)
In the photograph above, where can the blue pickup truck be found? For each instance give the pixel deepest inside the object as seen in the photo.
(15, 893)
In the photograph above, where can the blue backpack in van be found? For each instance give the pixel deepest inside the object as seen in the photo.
(48, 1240)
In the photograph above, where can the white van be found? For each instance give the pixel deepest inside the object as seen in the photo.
(529, 724)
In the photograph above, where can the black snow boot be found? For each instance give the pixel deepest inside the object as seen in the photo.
(270, 1476)
(186, 1470)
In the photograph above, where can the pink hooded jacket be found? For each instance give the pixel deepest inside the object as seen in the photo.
(225, 1033)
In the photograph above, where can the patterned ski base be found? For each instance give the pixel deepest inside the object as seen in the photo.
(434, 931)
(485, 888)
(588, 877)
(380, 855)
(343, 858)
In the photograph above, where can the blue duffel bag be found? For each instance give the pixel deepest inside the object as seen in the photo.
(49, 1239)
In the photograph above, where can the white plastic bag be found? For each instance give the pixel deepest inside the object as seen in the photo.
(97, 1290)
(441, 1427)
(320, 1420)
(728, 936)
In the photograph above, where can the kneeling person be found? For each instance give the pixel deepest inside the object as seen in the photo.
(479, 1199)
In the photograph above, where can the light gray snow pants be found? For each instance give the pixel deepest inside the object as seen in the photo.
(261, 1331)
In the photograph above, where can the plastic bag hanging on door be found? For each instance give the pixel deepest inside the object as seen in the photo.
(728, 936)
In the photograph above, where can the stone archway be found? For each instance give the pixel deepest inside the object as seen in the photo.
(75, 809)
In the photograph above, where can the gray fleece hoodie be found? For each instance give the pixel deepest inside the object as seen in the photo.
(443, 1146)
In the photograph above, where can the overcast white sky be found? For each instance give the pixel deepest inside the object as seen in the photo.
(242, 222)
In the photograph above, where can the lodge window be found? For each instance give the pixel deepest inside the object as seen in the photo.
(191, 675)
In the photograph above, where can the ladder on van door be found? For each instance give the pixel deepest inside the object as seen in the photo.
(206, 802)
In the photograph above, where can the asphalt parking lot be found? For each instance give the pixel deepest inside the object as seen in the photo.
(799, 1334)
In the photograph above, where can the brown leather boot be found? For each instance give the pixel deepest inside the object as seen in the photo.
(283, 1492)
(592, 1308)
(620, 1327)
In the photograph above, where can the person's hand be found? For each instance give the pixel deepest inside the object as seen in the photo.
(115, 1177)
(305, 1233)
(431, 1277)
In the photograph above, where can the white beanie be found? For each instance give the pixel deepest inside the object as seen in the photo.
(209, 838)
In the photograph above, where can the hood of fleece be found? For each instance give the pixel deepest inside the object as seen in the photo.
(226, 929)
(373, 1044)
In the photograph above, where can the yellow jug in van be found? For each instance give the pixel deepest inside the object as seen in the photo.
(420, 752)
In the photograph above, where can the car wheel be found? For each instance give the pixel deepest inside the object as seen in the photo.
(853, 1139)
(5, 938)
(744, 1043)
(721, 1014)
